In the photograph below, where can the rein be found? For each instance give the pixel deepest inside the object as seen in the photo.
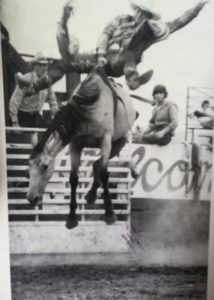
(100, 71)
(116, 97)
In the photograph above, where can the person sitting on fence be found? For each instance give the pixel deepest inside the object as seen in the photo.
(206, 115)
(163, 122)
(25, 111)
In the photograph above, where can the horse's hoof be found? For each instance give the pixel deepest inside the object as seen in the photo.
(110, 219)
(90, 197)
(32, 205)
(71, 223)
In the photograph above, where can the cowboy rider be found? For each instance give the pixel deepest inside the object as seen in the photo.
(116, 46)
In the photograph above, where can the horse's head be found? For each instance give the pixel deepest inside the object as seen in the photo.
(41, 168)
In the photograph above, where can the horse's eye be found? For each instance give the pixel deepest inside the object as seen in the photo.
(44, 167)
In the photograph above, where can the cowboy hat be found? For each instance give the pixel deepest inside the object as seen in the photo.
(144, 10)
(160, 30)
(39, 58)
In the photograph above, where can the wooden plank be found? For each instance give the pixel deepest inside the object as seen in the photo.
(62, 223)
(66, 157)
(64, 202)
(66, 179)
(25, 129)
(18, 146)
(67, 169)
(67, 191)
(18, 156)
(63, 212)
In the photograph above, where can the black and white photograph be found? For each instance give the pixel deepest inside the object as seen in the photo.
(107, 117)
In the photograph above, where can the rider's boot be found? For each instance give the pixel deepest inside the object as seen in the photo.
(32, 87)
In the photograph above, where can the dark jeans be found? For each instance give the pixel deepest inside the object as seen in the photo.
(151, 139)
(31, 119)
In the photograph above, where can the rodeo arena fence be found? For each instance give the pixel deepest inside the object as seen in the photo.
(184, 175)
(26, 222)
(194, 131)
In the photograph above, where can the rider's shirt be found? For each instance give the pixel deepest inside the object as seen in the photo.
(118, 33)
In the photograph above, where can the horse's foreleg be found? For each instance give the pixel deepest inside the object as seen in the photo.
(72, 219)
(102, 172)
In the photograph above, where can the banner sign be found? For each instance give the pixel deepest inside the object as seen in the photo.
(175, 171)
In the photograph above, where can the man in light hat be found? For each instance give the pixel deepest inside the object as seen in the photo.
(120, 46)
(25, 110)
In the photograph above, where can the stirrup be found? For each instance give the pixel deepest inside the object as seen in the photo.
(145, 77)
(135, 81)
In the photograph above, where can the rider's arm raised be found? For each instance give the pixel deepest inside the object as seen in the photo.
(186, 18)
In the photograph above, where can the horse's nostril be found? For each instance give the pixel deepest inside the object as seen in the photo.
(33, 202)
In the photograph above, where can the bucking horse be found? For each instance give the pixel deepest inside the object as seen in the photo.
(99, 114)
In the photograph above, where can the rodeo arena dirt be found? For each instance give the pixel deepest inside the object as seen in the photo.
(95, 212)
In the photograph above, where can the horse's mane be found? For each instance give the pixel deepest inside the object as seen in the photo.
(65, 123)
(68, 118)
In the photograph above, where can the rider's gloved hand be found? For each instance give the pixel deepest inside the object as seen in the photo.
(68, 9)
(16, 124)
(202, 3)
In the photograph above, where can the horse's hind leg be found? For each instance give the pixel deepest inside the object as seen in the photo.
(117, 146)
(115, 149)
(110, 216)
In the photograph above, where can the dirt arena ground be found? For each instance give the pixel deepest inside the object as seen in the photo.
(95, 282)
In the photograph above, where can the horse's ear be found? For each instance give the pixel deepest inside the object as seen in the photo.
(45, 159)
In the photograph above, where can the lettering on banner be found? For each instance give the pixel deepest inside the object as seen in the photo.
(179, 166)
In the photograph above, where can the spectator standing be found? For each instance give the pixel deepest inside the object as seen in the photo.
(26, 111)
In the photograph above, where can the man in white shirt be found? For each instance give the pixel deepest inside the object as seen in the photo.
(26, 111)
